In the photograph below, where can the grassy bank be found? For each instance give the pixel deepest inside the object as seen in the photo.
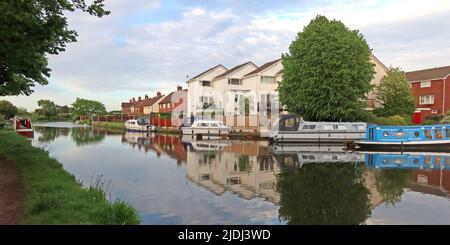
(110, 125)
(53, 196)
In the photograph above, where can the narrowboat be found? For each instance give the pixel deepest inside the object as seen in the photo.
(406, 138)
(291, 128)
(23, 126)
(208, 128)
(141, 124)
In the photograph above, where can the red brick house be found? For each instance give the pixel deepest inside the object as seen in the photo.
(173, 107)
(431, 91)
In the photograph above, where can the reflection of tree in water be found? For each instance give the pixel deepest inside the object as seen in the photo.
(85, 136)
(325, 193)
(49, 134)
(392, 182)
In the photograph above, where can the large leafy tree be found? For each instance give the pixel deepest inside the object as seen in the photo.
(47, 108)
(29, 32)
(87, 107)
(7, 109)
(327, 72)
(394, 93)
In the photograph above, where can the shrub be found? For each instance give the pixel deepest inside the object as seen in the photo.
(435, 118)
(397, 120)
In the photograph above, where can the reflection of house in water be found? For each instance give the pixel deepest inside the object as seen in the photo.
(435, 179)
(245, 168)
(169, 145)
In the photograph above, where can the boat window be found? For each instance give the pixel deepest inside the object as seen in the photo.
(439, 134)
(289, 123)
(428, 134)
(327, 127)
(204, 125)
(428, 160)
(309, 127)
(447, 132)
(132, 122)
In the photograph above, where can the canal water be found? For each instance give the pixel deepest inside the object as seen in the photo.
(171, 180)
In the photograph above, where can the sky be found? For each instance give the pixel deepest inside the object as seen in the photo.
(146, 46)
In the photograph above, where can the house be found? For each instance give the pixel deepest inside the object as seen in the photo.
(201, 95)
(173, 107)
(150, 105)
(380, 71)
(431, 90)
(229, 87)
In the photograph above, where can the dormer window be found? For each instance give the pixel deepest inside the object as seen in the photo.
(205, 83)
(425, 84)
(268, 79)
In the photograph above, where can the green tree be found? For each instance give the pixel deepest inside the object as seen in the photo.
(394, 93)
(47, 108)
(29, 32)
(327, 72)
(23, 112)
(7, 109)
(87, 107)
(325, 193)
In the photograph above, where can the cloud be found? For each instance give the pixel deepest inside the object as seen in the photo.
(145, 46)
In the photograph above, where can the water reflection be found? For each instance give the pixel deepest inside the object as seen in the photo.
(242, 182)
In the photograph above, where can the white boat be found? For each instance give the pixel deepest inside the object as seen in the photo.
(139, 125)
(291, 128)
(206, 128)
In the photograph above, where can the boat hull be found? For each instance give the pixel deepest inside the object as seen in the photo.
(205, 131)
(435, 146)
(141, 129)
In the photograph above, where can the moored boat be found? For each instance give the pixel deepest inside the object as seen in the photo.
(402, 138)
(206, 128)
(141, 124)
(291, 128)
(23, 126)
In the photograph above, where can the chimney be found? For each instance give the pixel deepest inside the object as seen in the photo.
(134, 99)
(139, 98)
(158, 93)
(131, 100)
(146, 97)
(179, 88)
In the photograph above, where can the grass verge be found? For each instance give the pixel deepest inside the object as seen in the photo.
(111, 125)
(53, 196)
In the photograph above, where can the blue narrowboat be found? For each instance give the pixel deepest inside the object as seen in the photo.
(403, 138)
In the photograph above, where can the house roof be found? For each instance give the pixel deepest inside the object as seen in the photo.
(126, 104)
(207, 71)
(167, 99)
(379, 62)
(236, 68)
(151, 101)
(263, 67)
(428, 74)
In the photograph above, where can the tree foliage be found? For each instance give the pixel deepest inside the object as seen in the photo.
(29, 32)
(47, 108)
(392, 182)
(7, 109)
(87, 107)
(394, 93)
(327, 72)
(325, 193)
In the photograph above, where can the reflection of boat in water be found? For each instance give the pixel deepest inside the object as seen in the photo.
(208, 145)
(138, 138)
(291, 128)
(410, 160)
(295, 155)
(409, 138)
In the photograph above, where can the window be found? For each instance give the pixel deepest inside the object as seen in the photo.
(425, 84)
(447, 132)
(438, 133)
(205, 83)
(309, 127)
(428, 134)
(426, 99)
(268, 79)
(234, 81)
